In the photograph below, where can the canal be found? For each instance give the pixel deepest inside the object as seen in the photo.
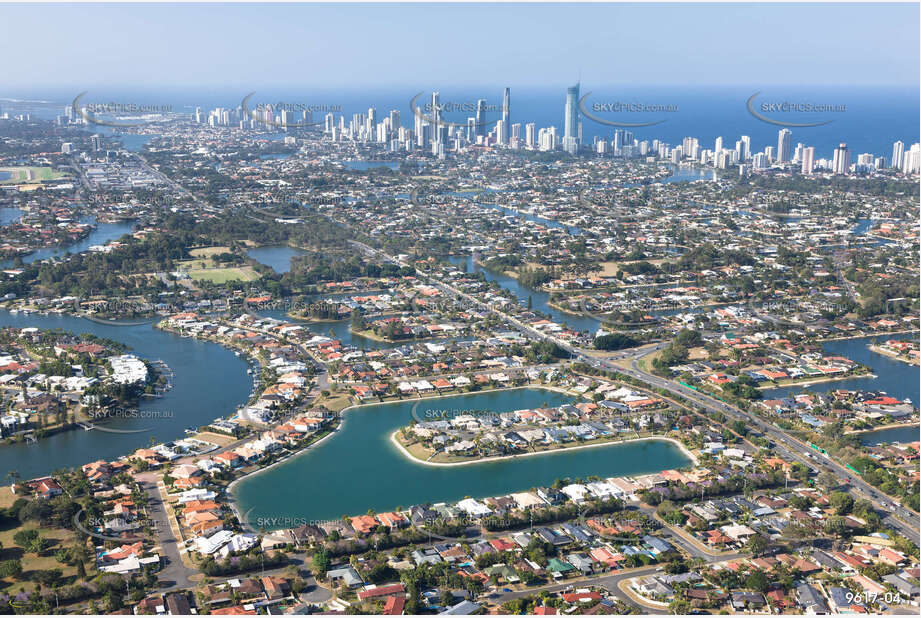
(902, 435)
(100, 235)
(897, 379)
(210, 381)
(539, 299)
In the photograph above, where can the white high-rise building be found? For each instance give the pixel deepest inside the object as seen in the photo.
(808, 164)
(689, 147)
(530, 134)
(864, 162)
(911, 160)
(841, 161)
(501, 132)
(784, 145)
(745, 152)
(898, 151)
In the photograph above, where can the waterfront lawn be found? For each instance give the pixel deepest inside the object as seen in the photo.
(221, 439)
(335, 402)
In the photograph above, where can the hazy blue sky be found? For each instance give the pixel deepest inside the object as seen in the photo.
(368, 45)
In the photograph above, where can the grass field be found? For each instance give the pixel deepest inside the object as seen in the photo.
(58, 538)
(30, 174)
(207, 252)
(223, 275)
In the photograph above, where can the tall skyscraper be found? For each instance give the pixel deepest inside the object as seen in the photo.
(96, 140)
(841, 162)
(571, 120)
(481, 117)
(784, 145)
(898, 151)
(371, 123)
(395, 120)
(718, 145)
(506, 115)
(808, 164)
(746, 152)
(436, 116)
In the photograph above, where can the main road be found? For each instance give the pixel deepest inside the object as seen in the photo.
(907, 522)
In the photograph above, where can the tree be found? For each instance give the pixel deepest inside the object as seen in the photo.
(757, 581)
(679, 607)
(828, 480)
(757, 544)
(836, 525)
(321, 562)
(841, 502)
(10, 568)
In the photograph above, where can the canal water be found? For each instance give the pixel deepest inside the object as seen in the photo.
(897, 379)
(339, 329)
(277, 257)
(100, 235)
(9, 215)
(539, 299)
(902, 435)
(358, 467)
(209, 381)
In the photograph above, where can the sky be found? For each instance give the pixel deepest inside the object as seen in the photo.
(46, 46)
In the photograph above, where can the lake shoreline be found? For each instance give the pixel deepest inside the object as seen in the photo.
(565, 449)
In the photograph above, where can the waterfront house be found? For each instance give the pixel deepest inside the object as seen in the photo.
(364, 524)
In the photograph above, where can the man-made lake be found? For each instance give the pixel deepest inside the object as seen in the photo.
(210, 381)
(898, 379)
(358, 467)
(278, 257)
